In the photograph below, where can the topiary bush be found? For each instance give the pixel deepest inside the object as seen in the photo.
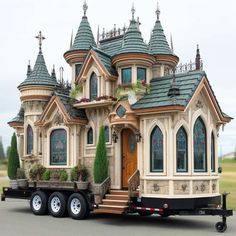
(100, 168)
(46, 175)
(36, 172)
(13, 162)
(63, 176)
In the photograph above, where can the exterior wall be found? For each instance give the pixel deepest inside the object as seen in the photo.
(170, 183)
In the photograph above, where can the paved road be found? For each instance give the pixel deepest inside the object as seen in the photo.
(16, 219)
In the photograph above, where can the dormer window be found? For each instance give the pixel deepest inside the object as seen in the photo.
(141, 74)
(93, 87)
(126, 75)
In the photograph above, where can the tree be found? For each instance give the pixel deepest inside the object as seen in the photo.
(8, 151)
(100, 169)
(13, 162)
(2, 153)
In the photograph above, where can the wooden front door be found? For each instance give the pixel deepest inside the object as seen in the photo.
(129, 155)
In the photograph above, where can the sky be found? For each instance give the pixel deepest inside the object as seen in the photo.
(211, 24)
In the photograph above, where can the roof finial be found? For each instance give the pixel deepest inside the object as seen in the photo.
(85, 7)
(133, 11)
(40, 38)
(198, 59)
(28, 69)
(158, 11)
(71, 39)
(171, 43)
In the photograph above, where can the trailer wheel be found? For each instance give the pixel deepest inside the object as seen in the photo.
(144, 213)
(221, 226)
(38, 203)
(77, 207)
(57, 204)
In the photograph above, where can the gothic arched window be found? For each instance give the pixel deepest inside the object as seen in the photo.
(29, 140)
(156, 150)
(90, 136)
(93, 87)
(212, 152)
(106, 131)
(181, 150)
(200, 146)
(58, 147)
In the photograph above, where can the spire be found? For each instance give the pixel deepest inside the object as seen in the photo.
(84, 38)
(71, 39)
(198, 59)
(158, 43)
(132, 40)
(174, 88)
(171, 43)
(29, 70)
(158, 11)
(85, 7)
(53, 73)
(98, 35)
(39, 74)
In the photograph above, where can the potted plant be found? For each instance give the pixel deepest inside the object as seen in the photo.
(79, 174)
(36, 172)
(46, 175)
(100, 169)
(63, 176)
(22, 181)
(55, 175)
(13, 163)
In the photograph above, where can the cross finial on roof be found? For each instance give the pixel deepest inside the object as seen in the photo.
(158, 11)
(133, 11)
(40, 38)
(85, 7)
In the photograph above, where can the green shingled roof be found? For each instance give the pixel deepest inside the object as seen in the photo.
(158, 43)
(106, 61)
(20, 116)
(132, 40)
(111, 46)
(39, 75)
(84, 38)
(158, 96)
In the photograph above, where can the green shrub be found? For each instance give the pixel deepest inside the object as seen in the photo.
(83, 173)
(46, 175)
(20, 173)
(100, 169)
(13, 162)
(74, 173)
(36, 172)
(63, 176)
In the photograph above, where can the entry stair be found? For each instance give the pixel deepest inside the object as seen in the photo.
(115, 202)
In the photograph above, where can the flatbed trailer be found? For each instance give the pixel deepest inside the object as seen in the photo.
(79, 204)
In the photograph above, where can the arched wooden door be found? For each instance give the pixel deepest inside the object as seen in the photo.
(129, 155)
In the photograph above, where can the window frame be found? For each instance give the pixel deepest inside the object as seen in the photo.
(92, 78)
(122, 70)
(203, 170)
(142, 68)
(186, 151)
(28, 151)
(92, 133)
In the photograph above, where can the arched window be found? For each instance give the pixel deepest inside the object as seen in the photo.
(93, 87)
(181, 150)
(106, 131)
(29, 139)
(156, 150)
(58, 147)
(90, 136)
(200, 146)
(212, 152)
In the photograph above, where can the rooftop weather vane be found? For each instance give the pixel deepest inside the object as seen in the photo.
(40, 38)
(85, 7)
(133, 11)
(158, 11)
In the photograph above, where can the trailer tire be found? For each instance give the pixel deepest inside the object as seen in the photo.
(77, 207)
(57, 204)
(144, 213)
(221, 227)
(38, 203)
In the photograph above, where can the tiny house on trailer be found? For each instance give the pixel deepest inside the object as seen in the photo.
(161, 123)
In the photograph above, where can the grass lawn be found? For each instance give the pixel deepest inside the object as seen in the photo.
(228, 181)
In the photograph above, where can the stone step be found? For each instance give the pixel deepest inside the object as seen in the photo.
(116, 197)
(115, 202)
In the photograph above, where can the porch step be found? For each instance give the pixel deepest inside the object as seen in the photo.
(115, 202)
(116, 197)
(109, 211)
(119, 192)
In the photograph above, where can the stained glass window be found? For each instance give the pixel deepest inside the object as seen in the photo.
(58, 147)
(156, 149)
(181, 151)
(93, 87)
(141, 74)
(126, 76)
(120, 111)
(90, 136)
(212, 152)
(106, 130)
(29, 139)
(200, 147)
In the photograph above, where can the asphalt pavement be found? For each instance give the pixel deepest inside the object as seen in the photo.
(16, 219)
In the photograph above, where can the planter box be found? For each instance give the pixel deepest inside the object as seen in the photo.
(82, 185)
(13, 184)
(55, 184)
(22, 183)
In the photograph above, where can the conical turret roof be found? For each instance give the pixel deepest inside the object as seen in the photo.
(39, 74)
